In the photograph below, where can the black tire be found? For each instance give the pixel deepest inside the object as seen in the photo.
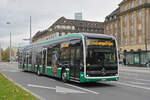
(64, 75)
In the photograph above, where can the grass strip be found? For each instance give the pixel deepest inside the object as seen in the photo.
(10, 91)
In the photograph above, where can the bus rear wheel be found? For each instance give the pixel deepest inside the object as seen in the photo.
(64, 76)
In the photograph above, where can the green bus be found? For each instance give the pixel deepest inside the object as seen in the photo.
(79, 57)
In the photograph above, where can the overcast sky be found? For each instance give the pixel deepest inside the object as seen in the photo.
(44, 13)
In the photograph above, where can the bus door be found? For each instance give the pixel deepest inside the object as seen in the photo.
(72, 63)
(54, 62)
(75, 60)
(27, 61)
(44, 60)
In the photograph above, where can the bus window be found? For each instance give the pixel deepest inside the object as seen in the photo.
(38, 58)
(30, 58)
(49, 57)
(65, 55)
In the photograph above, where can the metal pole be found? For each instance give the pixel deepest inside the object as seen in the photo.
(30, 31)
(145, 38)
(10, 50)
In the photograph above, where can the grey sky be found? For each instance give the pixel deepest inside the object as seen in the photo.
(44, 13)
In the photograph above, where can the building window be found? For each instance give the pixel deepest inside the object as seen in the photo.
(111, 27)
(132, 30)
(132, 5)
(131, 18)
(125, 41)
(139, 2)
(107, 28)
(73, 27)
(63, 27)
(57, 26)
(125, 31)
(139, 26)
(140, 16)
(125, 7)
(115, 25)
(132, 40)
(140, 39)
(125, 20)
(68, 27)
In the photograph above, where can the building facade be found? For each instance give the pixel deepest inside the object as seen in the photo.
(65, 26)
(133, 18)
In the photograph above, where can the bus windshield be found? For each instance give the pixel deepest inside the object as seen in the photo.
(94, 57)
(100, 51)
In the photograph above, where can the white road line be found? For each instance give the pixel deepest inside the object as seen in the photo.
(83, 89)
(58, 89)
(135, 86)
(39, 86)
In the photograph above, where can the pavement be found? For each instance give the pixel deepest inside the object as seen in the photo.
(134, 84)
(134, 69)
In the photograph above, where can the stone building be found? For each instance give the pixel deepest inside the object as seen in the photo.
(65, 26)
(132, 21)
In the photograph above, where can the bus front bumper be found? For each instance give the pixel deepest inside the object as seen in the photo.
(83, 79)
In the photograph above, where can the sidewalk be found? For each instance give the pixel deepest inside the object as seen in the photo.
(2, 64)
(134, 69)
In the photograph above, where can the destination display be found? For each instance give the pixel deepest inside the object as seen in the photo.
(99, 43)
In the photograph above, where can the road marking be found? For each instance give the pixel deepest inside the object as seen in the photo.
(131, 85)
(57, 88)
(39, 86)
(83, 89)
(67, 90)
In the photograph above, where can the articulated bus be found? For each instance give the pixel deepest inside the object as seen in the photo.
(79, 57)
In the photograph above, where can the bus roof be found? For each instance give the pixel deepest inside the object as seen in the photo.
(70, 35)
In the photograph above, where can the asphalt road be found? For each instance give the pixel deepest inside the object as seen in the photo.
(134, 84)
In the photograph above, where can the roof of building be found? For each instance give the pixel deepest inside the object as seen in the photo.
(122, 2)
(72, 22)
(91, 24)
(114, 13)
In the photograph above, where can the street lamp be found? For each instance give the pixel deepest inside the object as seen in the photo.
(10, 58)
(30, 30)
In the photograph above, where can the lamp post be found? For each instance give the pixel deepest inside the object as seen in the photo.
(10, 47)
(10, 50)
(30, 30)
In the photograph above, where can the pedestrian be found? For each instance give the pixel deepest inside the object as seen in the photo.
(124, 61)
(148, 64)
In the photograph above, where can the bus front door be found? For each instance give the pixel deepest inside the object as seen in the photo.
(74, 67)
